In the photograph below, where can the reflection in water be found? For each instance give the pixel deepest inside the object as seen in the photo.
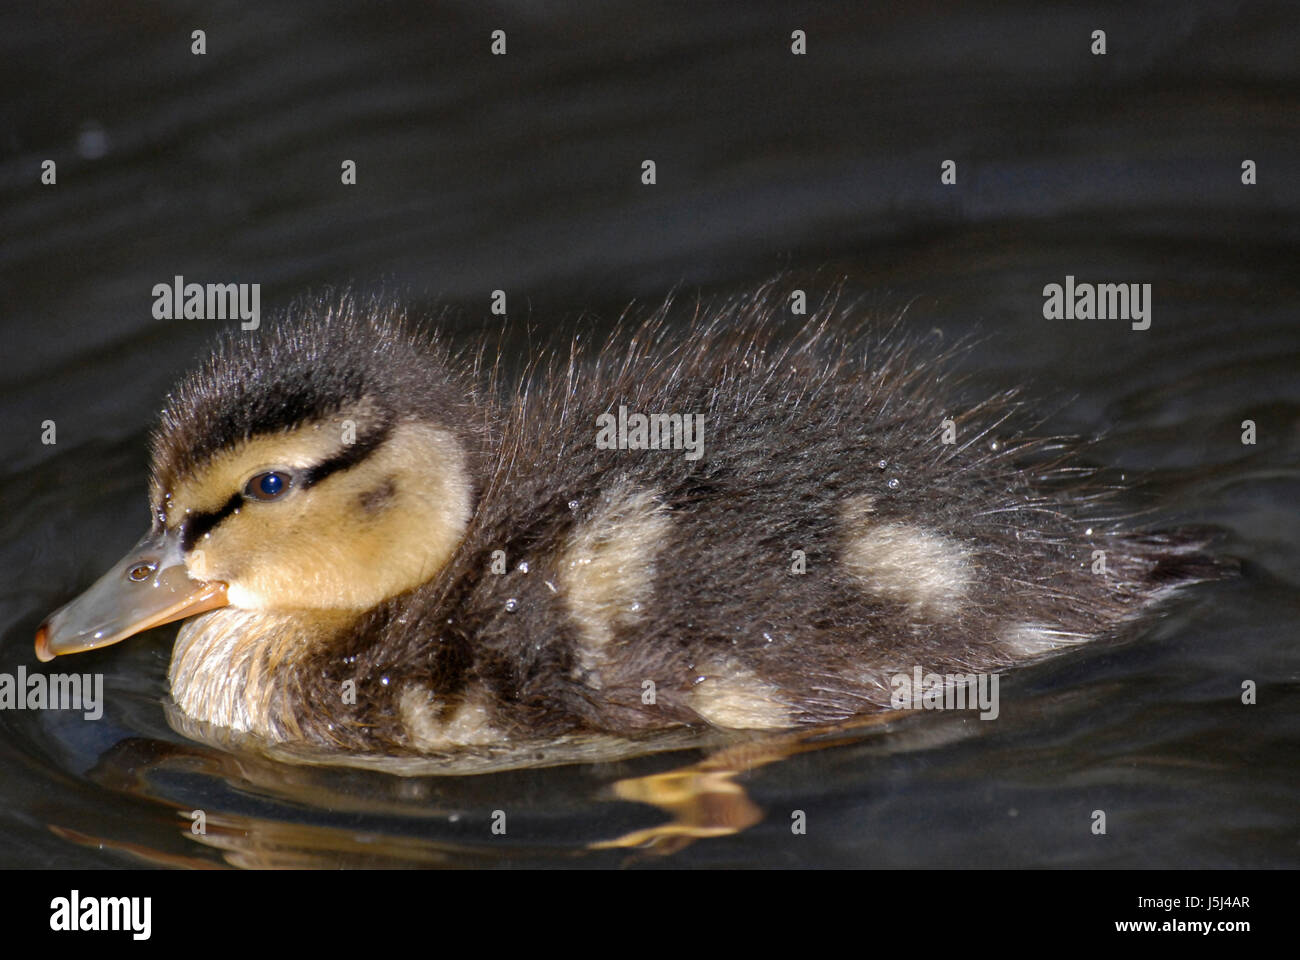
(408, 806)
(439, 818)
(704, 798)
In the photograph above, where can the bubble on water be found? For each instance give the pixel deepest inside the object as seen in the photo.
(882, 464)
(573, 504)
(512, 605)
(523, 566)
(893, 483)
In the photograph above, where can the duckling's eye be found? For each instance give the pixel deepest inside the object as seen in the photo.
(271, 485)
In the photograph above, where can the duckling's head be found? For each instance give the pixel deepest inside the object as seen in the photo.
(324, 463)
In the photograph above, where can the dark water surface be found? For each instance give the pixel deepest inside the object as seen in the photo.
(522, 173)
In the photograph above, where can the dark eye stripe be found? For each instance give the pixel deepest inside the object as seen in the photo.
(197, 524)
(349, 456)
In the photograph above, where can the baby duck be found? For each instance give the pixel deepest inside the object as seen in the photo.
(388, 547)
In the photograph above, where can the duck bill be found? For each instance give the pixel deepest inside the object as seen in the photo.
(148, 587)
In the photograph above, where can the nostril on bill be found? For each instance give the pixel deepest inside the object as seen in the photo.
(141, 571)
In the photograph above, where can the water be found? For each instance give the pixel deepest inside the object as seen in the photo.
(476, 173)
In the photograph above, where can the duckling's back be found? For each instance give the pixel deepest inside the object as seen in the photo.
(749, 529)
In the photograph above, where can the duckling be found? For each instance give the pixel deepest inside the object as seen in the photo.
(384, 545)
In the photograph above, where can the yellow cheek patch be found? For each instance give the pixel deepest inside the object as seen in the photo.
(357, 537)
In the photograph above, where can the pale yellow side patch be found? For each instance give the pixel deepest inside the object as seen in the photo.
(607, 568)
(470, 725)
(1032, 639)
(904, 562)
(733, 696)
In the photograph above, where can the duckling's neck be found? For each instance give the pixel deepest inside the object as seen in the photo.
(228, 667)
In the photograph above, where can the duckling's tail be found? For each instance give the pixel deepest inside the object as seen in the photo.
(1181, 556)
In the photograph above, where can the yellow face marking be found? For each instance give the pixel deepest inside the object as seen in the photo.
(608, 566)
(904, 562)
(228, 471)
(357, 537)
